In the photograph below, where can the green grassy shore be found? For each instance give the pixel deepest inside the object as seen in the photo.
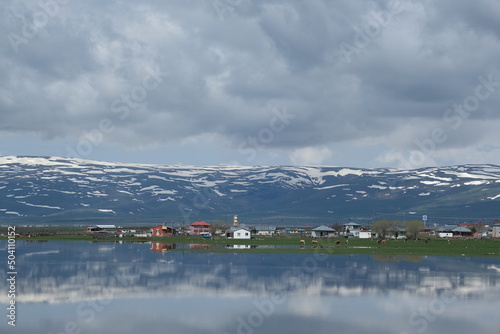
(288, 244)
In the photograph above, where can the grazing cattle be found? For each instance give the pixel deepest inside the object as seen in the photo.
(315, 242)
(337, 242)
(346, 242)
(302, 242)
(382, 241)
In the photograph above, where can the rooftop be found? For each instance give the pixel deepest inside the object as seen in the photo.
(324, 228)
(265, 228)
(200, 223)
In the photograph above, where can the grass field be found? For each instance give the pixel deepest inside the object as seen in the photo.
(291, 244)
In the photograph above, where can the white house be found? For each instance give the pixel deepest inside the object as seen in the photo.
(352, 228)
(363, 234)
(496, 231)
(265, 230)
(238, 233)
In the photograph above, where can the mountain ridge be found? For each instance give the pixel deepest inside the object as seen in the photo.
(55, 189)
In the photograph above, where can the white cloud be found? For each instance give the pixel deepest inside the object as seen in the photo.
(310, 155)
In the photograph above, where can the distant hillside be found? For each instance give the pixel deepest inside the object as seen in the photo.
(60, 190)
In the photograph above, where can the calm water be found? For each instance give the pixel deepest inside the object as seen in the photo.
(80, 287)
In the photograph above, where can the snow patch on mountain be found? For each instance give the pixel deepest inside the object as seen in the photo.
(41, 206)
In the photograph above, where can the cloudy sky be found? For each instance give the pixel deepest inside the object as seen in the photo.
(348, 83)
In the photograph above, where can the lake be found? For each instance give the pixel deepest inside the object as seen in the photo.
(84, 287)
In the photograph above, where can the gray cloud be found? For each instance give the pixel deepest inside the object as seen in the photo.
(227, 72)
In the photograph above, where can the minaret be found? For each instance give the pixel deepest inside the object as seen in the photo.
(235, 221)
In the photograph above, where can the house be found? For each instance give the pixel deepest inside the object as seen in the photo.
(445, 231)
(92, 229)
(100, 228)
(107, 227)
(265, 230)
(461, 231)
(198, 227)
(396, 232)
(496, 231)
(322, 231)
(238, 233)
(366, 234)
(287, 230)
(162, 231)
(352, 228)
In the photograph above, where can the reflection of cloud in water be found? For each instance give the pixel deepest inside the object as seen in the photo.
(309, 306)
(61, 272)
(218, 315)
(42, 253)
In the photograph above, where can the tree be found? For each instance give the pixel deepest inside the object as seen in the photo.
(413, 228)
(337, 227)
(217, 224)
(382, 227)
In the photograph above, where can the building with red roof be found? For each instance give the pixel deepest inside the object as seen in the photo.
(162, 231)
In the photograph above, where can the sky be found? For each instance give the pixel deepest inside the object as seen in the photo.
(400, 83)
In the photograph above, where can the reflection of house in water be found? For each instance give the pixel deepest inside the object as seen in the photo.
(163, 231)
(240, 246)
(132, 270)
(199, 246)
(161, 247)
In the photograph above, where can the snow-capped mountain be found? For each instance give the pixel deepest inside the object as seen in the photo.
(71, 190)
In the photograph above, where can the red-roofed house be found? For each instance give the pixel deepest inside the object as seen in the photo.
(199, 227)
(162, 231)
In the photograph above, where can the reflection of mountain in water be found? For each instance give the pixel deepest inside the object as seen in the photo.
(73, 271)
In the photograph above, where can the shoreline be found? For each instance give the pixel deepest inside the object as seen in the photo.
(291, 244)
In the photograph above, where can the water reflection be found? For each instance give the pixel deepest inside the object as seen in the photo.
(162, 247)
(128, 288)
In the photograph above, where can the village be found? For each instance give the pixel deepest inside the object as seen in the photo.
(380, 230)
